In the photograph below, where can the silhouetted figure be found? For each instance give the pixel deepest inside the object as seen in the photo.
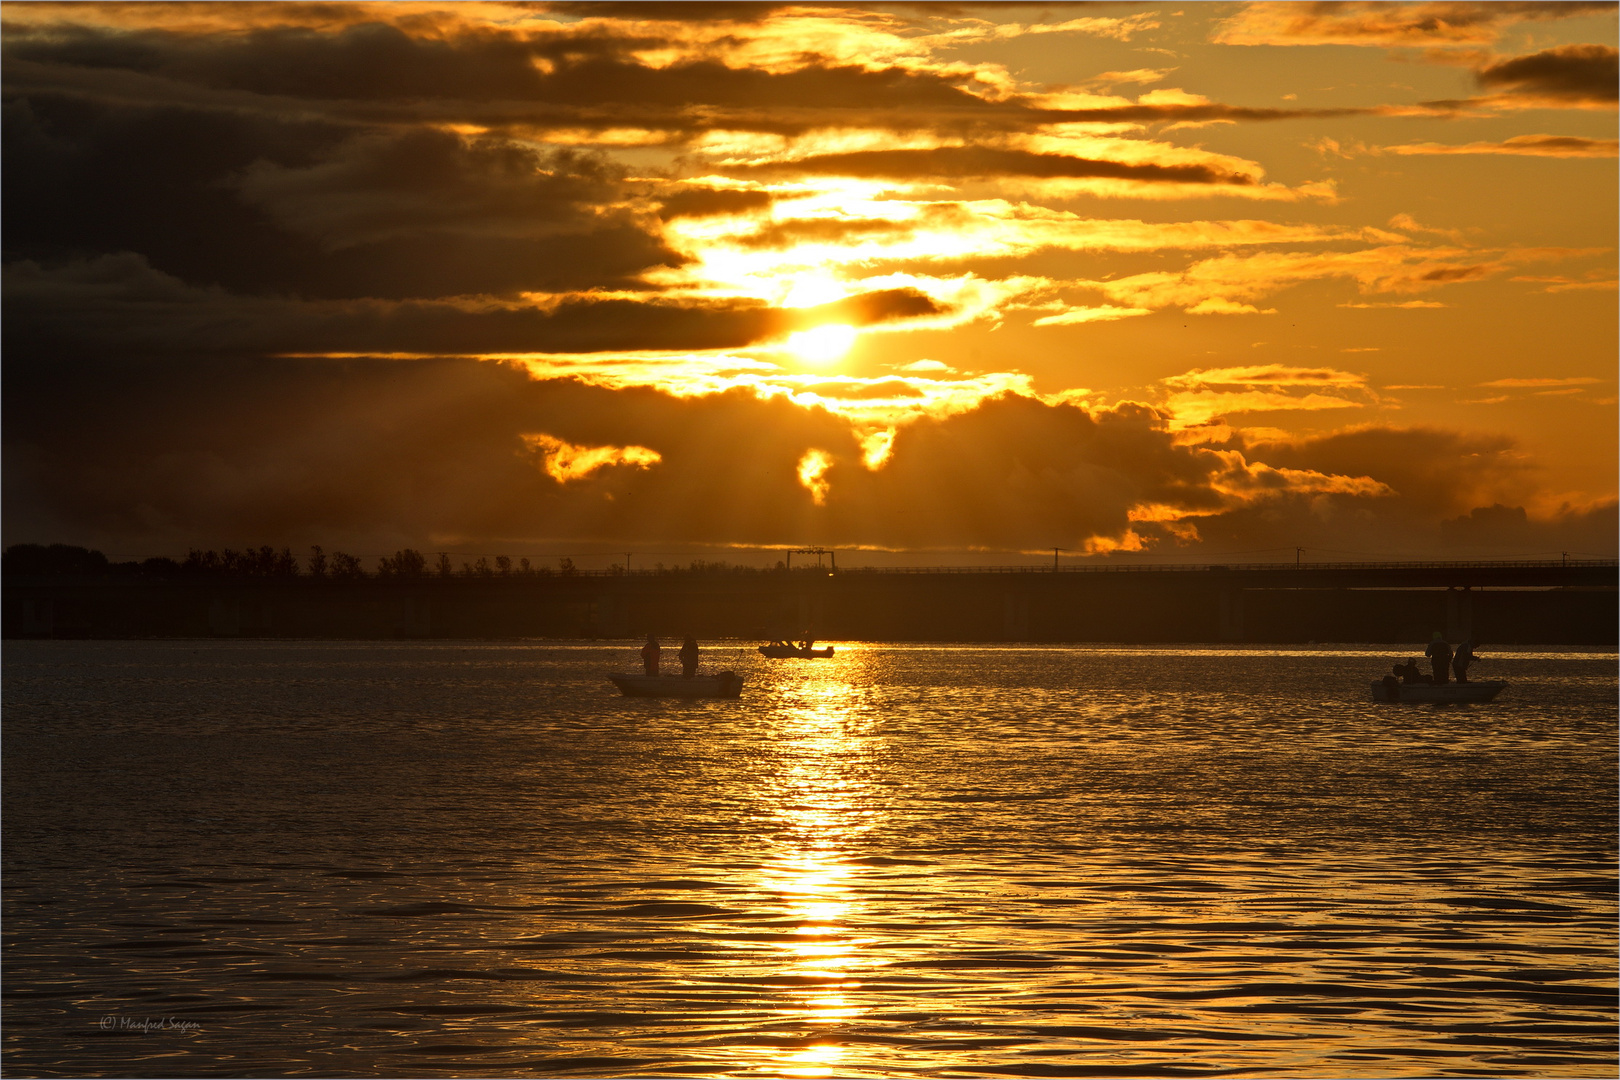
(1461, 661)
(649, 655)
(689, 657)
(1410, 673)
(1439, 654)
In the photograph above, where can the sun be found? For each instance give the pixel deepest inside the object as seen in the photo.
(821, 344)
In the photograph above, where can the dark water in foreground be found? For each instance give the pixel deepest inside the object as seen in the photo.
(258, 858)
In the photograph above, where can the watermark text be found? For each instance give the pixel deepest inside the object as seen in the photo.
(148, 1024)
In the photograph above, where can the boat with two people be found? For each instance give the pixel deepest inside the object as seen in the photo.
(688, 684)
(724, 684)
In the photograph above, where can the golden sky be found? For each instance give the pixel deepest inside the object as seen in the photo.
(929, 282)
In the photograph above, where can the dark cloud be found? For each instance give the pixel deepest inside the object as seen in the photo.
(369, 61)
(980, 161)
(425, 181)
(1435, 482)
(572, 70)
(1435, 23)
(120, 303)
(1432, 472)
(867, 309)
(372, 455)
(378, 454)
(712, 202)
(1572, 73)
(1015, 473)
(849, 390)
(1497, 528)
(310, 209)
(785, 234)
(382, 74)
(740, 11)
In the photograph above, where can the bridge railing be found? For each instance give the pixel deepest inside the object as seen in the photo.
(1145, 568)
(1269, 567)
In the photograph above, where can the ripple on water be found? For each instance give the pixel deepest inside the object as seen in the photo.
(381, 859)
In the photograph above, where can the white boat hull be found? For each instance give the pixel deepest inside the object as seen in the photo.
(726, 684)
(1436, 693)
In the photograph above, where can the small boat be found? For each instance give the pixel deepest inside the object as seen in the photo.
(726, 684)
(779, 651)
(1436, 692)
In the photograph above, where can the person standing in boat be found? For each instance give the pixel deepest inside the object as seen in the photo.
(689, 657)
(1439, 654)
(649, 655)
(1463, 659)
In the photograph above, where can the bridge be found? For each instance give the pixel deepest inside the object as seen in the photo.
(1530, 601)
(1448, 574)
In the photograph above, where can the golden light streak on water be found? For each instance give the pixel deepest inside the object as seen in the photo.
(824, 801)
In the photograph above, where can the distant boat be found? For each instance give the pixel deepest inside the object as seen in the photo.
(1436, 692)
(726, 684)
(788, 652)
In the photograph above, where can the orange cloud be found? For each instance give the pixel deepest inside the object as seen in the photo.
(1581, 380)
(565, 462)
(877, 447)
(1076, 315)
(1398, 304)
(813, 469)
(1230, 283)
(1266, 375)
(1559, 146)
(1194, 408)
(1434, 25)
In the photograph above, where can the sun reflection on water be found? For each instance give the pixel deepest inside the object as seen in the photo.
(823, 801)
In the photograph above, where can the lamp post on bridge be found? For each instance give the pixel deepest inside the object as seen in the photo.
(818, 553)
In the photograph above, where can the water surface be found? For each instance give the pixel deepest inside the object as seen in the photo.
(463, 859)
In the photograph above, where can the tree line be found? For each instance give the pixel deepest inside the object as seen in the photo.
(268, 563)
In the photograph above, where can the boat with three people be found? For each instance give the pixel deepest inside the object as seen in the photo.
(789, 650)
(1391, 689)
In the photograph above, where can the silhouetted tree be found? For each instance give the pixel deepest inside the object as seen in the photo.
(445, 569)
(566, 565)
(481, 567)
(503, 565)
(57, 559)
(268, 562)
(317, 562)
(346, 566)
(523, 567)
(405, 563)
